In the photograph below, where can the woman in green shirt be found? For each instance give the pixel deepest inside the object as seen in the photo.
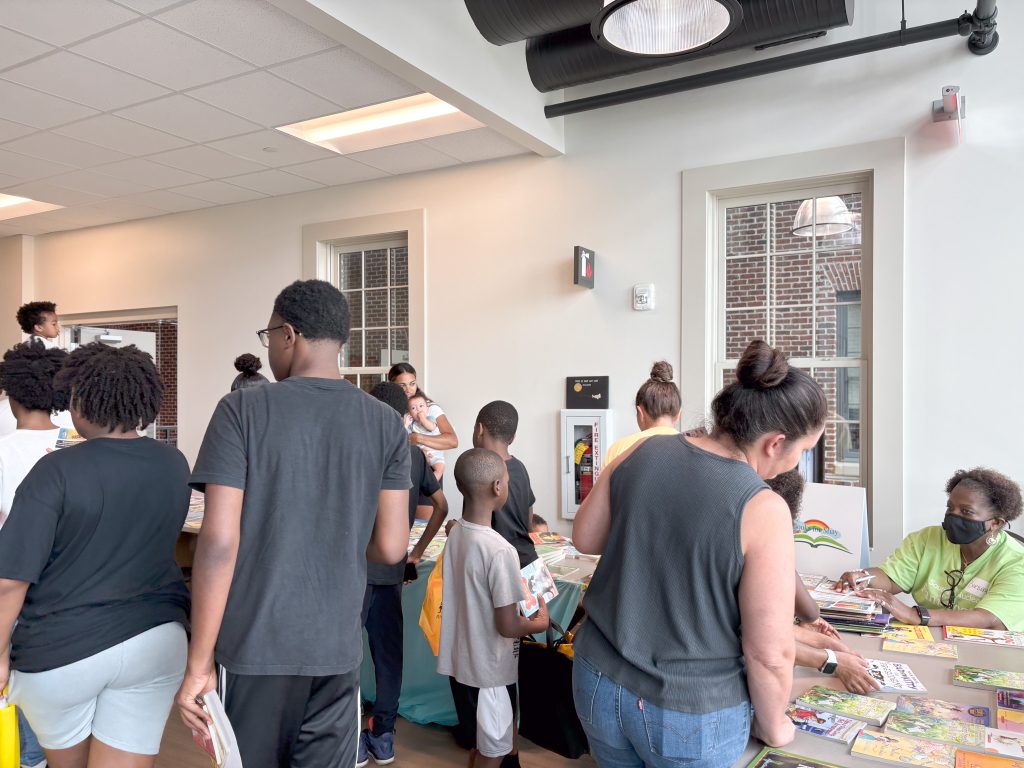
(968, 572)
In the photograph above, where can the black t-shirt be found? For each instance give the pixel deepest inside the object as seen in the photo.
(513, 520)
(424, 484)
(93, 529)
(312, 456)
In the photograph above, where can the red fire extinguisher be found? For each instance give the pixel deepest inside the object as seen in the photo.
(584, 467)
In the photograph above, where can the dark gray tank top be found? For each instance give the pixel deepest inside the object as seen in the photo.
(663, 615)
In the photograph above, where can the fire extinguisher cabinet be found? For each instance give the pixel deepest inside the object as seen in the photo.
(585, 439)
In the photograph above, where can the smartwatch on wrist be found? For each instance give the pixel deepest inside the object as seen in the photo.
(923, 615)
(829, 667)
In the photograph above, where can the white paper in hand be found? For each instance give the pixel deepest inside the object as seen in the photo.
(222, 732)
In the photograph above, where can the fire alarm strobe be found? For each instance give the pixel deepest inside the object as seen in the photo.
(643, 297)
(583, 266)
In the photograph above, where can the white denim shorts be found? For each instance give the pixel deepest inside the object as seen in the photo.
(494, 718)
(122, 695)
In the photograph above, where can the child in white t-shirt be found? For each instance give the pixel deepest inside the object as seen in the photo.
(422, 420)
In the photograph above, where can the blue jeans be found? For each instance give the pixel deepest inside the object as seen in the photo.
(31, 752)
(626, 731)
(382, 617)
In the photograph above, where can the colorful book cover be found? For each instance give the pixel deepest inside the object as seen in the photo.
(947, 710)
(1005, 743)
(898, 631)
(921, 648)
(904, 750)
(852, 605)
(984, 636)
(563, 571)
(979, 677)
(1010, 720)
(68, 437)
(810, 580)
(966, 735)
(548, 537)
(825, 724)
(894, 677)
(865, 708)
(1010, 700)
(537, 585)
(769, 757)
(981, 760)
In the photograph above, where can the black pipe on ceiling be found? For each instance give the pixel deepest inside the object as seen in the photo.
(964, 26)
(572, 57)
(509, 21)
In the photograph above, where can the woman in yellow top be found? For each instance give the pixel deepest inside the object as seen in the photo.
(968, 572)
(657, 410)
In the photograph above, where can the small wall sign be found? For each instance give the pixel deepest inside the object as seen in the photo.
(583, 266)
(586, 392)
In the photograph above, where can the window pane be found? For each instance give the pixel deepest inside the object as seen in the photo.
(377, 268)
(399, 306)
(351, 378)
(350, 270)
(399, 345)
(728, 377)
(352, 352)
(400, 266)
(782, 218)
(746, 282)
(843, 428)
(745, 230)
(376, 309)
(793, 278)
(741, 328)
(377, 348)
(368, 381)
(355, 307)
(838, 285)
(852, 237)
(792, 328)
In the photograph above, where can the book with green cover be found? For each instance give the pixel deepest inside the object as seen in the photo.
(966, 735)
(947, 710)
(921, 648)
(903, 750)
(987, 679)
(769, 757)
(865, 708)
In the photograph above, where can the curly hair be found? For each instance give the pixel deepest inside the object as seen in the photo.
(248, 364)
(790, 486)
(27, 374)
(112, 387)
(316, 309)
(31, 314)
(1000, 491)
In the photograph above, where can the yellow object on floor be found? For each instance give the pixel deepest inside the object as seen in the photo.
(9, 747)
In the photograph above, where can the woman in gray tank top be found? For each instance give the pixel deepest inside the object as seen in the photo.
(692, 540)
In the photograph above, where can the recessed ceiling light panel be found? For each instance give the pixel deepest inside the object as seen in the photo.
(12, 207)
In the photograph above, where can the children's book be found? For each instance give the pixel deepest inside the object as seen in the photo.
(548, 537)
(963, 735)
(1010, 712)
(966, 759)
(847, 605)
(1010, 700)
(1005, 743)
(866, 708)
(68, 437)
(825, 724)
(987, 679)
(984, 636)
(538, 584)
(219, 740)
(894, 677)
(563, 571)
(903, 750)
(810, 580)
(898, 631)
(769, 757)
(921, 648)
(947, 710)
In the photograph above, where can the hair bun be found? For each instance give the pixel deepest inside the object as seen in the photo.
(661, 371)
(248, 364)
(761, 366)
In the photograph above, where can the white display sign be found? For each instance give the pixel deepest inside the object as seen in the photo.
(831, 535)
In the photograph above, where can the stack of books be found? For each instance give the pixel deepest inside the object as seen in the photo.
(849, 613)
(196, 512)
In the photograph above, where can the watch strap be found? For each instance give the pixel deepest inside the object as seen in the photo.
(830, 664)
(923, 614)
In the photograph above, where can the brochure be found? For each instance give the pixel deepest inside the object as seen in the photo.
(537, 585)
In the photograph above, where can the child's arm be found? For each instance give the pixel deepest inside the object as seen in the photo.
(425, 421)
(442, 442)
(440, 504)
(806, 608)
(511, 624)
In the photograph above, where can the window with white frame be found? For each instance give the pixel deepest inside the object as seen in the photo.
(793, 271)
(374, 277)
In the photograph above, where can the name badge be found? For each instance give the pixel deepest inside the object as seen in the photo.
(977, 587)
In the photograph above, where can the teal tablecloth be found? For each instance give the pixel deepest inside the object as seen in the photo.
(426, 697)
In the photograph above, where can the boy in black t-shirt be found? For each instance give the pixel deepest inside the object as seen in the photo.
(495, 429)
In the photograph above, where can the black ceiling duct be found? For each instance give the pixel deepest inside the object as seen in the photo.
(509, 21)
(571, 56)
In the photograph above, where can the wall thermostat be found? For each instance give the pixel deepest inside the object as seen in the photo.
(643, 297)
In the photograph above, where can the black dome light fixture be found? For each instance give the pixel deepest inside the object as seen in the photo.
(664, 27)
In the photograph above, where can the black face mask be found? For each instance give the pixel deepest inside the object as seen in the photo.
(960, 530)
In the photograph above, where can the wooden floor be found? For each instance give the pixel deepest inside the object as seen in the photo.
(416, 746)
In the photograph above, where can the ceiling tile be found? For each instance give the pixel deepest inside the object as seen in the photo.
(118, 210)
(169, 201)
(83, 80)
(478, 144)
(284, 149)
(188, 118)
(85, 216)
(151, 174)
(23, 105)
(61, 22)
(346, 78)
(147, 6)
(51, 193)
(97, 184)
(207, 162)
(6, 180)
(405, 158)
(124, 135)
(26, 168)
(265, 99)
(53, 146)
(161, 54)
(218, 192)
(15, 48)
(336, 171)
(273, 182)
(9, 130)
(267, 36)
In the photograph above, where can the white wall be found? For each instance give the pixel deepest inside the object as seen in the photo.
(504, 320)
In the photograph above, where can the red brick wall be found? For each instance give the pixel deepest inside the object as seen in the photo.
(167, 363)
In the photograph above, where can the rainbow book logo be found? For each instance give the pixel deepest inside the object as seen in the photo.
(816, 533)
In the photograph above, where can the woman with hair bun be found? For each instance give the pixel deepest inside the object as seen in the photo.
(693, 542)
(657, 410)
(248, 367)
